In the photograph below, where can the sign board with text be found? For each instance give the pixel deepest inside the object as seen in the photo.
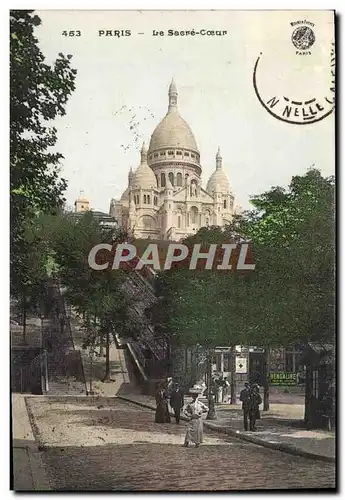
(283, 378)
(241, 365)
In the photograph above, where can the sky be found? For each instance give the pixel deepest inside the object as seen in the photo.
(122, 94)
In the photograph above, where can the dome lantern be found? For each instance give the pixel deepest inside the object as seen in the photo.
(173, 132)
(130, 176)
(218, 159)
(172, 96)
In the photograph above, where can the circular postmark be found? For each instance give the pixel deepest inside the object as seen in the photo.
(295, 110)
(303, 38)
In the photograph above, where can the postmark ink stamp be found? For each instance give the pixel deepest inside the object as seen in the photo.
(300, 111)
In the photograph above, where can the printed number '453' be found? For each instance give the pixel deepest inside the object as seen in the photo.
(71, 33)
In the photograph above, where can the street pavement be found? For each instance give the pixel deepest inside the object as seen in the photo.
(28, 473)
(104, 444)
(279, 428)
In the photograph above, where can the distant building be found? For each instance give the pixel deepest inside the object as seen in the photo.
(82, 205)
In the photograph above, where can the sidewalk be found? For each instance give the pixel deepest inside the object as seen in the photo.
(280, 428)
(28, 469)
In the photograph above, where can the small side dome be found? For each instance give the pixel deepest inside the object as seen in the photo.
(144, 177)
(218, 179)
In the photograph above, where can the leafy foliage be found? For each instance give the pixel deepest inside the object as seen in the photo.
(288, 299)
(38, 94)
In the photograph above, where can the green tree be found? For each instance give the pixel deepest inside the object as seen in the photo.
(288, 300)
(38, 94)
(292, 290)
(199, 307)
(100, 297)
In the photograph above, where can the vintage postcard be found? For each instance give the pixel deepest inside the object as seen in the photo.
(172, 309)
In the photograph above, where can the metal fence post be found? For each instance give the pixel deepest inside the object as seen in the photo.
(46, 369)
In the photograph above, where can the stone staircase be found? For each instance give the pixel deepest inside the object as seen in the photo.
(140, 288)
(64, 365)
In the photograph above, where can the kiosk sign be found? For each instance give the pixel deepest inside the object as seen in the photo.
(283, 378)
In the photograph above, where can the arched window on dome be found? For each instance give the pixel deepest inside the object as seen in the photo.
(207, 221)
(224, 203)
(148, 199)
(145, 199)
(179, 179)
(171, 178)
(157, 180)
(194, 214)
(162, 179)
(155, 200)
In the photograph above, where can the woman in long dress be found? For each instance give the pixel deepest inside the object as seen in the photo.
(162, 409)
(194, 411)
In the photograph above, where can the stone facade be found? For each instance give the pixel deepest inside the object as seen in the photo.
(164, 198)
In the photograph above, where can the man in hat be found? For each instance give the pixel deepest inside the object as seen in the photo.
(177, 401)
(255, 402)
(245, 397)
(193, 412)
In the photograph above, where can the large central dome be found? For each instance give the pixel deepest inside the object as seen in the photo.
(173, 131)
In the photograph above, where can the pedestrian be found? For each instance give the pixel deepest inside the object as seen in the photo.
(193, 412)
(226, 386)
(162, 410)
(177, 401)
(246, 402)
(215, 389)
(255, 402)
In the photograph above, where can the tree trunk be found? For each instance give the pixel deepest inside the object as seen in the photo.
(211, 415)
(107, 359)
(267, 380)
(308, 410)
(91, 372)
(233, 376)
(24, 318)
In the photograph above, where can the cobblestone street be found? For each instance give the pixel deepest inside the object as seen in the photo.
(114, 445)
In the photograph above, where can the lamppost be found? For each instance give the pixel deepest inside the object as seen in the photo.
(44, 361)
